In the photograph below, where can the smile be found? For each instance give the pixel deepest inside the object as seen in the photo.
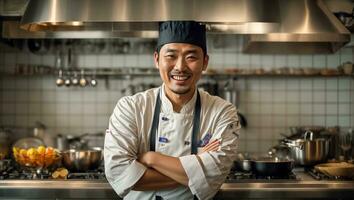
(180, 78)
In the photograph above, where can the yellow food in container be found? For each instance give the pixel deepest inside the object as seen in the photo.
(40, 157)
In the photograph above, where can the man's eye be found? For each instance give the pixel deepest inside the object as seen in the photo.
(169, 56)
(191, 57)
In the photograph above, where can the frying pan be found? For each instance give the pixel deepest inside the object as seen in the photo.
(272, 166)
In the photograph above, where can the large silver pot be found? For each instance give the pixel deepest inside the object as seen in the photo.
(82, 160)
(308, 151)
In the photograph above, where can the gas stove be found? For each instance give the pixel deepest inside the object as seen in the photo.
(13, 173)
(235, 176)
(321, 176)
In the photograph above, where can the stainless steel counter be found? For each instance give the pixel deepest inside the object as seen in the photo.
(305, 187)
(56, 189)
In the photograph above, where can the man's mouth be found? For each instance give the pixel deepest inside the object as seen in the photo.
(180, 77)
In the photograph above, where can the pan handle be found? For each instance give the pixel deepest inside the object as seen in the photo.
(290, 143)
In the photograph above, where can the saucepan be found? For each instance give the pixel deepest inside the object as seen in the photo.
(82, 160)
(242, 163)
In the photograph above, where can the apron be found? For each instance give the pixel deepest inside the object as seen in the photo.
(195, 130)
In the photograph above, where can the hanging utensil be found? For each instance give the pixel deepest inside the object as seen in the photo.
(75, 79)
(60, 80)
(83, 81)
(67, 80)
(93, 81)
(231, 95)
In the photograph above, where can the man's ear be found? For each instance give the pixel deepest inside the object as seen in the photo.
(156, 59)
(206, 62)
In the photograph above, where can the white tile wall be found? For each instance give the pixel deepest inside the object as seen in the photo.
(270, 105)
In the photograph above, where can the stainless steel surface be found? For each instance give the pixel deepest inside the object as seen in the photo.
(56, 189)
(82, 160)
(241, 16)
(307, 26)
(10, 8)
(11, 29)
(275, 26)
(306, 187)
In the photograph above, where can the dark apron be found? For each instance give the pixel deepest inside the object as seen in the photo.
(195, 132)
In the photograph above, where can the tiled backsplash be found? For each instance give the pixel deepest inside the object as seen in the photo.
(270, 104)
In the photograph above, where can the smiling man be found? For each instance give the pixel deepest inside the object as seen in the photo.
(174, 141)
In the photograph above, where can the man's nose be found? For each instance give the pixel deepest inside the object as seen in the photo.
(181, 64)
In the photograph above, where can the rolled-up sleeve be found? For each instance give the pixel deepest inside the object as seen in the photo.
(121, 147)
(207, 174)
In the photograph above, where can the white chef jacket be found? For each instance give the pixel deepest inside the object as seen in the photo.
(128, 136)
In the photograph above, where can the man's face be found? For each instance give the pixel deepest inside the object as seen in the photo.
(180, 66)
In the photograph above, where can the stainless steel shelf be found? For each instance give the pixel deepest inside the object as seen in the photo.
(131, 72)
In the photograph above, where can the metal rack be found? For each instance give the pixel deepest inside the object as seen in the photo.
(131, 72)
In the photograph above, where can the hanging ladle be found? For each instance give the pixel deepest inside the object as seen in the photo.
(83, 81)
(60, 80)
(93, 81)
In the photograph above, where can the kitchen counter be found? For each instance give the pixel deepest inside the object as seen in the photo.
(304, 187)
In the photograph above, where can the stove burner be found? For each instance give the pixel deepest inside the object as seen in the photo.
(235, 175)
(321, 176)
(87, 175)
(36, 174)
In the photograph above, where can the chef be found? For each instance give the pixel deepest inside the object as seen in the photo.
(174, 141)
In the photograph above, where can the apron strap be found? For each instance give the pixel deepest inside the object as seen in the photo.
(155, 123)
(195, 132)
(196, 124)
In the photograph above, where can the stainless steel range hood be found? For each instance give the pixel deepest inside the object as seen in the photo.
(269, 26)
(306, 26)
(226, 16)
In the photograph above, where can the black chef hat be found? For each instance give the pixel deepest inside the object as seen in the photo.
(190, 32)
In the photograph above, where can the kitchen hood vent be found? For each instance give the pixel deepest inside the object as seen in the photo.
(268, 26)
(306, 27)
(220, 16)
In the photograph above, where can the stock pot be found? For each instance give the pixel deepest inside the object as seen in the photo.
(308, 151)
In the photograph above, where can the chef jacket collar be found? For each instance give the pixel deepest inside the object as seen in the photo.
(168, 107)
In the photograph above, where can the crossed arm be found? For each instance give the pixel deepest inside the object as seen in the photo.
(165, 171)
